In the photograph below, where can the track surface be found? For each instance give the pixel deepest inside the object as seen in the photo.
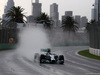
(13, 64)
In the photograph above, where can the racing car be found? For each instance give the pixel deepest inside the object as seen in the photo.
(48, 57)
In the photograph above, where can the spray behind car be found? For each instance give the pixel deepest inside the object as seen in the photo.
(31, 40)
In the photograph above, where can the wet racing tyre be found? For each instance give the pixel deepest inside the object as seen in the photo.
(42, 58)
(61, 59)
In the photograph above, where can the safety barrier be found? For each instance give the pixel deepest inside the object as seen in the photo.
(7, 46)
(71, 44)
(94, 51)
(94, 38)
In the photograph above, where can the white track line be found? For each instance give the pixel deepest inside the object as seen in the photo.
(92, 73)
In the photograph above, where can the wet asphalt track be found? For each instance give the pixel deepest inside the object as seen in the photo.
(13, 64)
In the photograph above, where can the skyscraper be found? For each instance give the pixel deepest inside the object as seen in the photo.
(36, 11)
(93, 14)
(77, 19)
(96, 10)
(83, 21)
(67, 13)
(10, 4)
(36, 8)
(54, 14)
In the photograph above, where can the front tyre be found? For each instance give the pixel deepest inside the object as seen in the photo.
(61, 59)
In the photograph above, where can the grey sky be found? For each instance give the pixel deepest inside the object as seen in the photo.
(79, 7)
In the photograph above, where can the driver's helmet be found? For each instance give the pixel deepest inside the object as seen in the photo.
(49, 50)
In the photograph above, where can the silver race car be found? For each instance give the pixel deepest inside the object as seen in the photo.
(47, 57)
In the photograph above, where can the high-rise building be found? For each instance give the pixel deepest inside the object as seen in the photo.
(36, 11)
(83, 21)
(54, 14)
(36, 1)
(30, 19)
(9, 5)
(96, 10)
(93, 15)
(77, 19)
(67, 13)
(36, 8)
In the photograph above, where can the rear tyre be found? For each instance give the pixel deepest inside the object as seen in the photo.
(42, 57)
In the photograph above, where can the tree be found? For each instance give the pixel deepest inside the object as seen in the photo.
(15, 15)
(0, 21)
(91, 22)
(45, 20)
(68, 24)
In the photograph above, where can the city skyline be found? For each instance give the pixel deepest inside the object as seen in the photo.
(79, 7)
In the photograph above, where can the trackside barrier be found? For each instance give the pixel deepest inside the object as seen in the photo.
(94, 38)
(94, 51)
(71, 44)
(7, 46)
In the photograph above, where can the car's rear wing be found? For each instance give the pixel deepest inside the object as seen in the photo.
(44, 50)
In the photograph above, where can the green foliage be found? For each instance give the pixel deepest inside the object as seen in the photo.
(15, 15)
(45, 20)
(87, 54)
(68, 24)
(91, 22)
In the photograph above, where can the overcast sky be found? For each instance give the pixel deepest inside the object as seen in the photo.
(79, 7)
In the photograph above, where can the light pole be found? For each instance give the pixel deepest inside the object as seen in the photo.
(98, 26)
(31, 5)
(98, 10)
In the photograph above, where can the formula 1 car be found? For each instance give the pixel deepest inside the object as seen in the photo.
(48, 57)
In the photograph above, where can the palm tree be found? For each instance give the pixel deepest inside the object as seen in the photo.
(0, 20)
(45, 20)
(91, 22)
(15, 15)
(68, 24)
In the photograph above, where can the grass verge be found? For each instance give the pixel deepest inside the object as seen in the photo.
(87, 54)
